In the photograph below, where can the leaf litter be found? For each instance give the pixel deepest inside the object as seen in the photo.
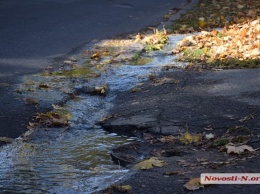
(148, 164)
(239, 149)
(193, 184)
(235, 46)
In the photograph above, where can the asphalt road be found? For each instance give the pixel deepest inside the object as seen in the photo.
(33, 33)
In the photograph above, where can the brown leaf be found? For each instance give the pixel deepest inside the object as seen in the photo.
(168, 138)
(193, 184)
(96, 56)
(118, 188)
(171, 173)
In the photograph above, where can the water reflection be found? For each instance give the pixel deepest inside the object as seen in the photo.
(78, 162)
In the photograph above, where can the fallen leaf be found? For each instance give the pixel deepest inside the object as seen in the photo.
(96, 56)
(117, 188)
(170, 173)
(127, 187)
(238, 149)
(201, 22)
(247, 118)
(102, 89)
(50, 119)
(138, 37)
(193, 184)
(188, 138)
(168, 138)
(150, 163)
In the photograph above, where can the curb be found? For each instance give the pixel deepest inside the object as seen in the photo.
(174, 17)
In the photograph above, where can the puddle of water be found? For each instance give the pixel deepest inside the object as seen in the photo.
(77, 72)
(71, 165)
(78, 160)
(142, 61)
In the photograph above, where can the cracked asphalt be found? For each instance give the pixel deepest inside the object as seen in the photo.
(37, 34)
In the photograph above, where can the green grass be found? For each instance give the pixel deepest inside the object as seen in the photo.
(221, 141)
(202, 55)
(191, 55)
(236, 63)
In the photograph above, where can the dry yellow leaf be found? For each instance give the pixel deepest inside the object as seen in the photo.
(127, 187)
(188, 138)
(201, 22)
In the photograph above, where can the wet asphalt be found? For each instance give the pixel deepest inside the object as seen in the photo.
(35, 34)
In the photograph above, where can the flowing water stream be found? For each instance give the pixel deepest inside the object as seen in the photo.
(77, 160)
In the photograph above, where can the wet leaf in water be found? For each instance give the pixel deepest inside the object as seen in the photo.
(102, 89)
(96, 56)
(193, 184)
(50, 119)
(148, 164)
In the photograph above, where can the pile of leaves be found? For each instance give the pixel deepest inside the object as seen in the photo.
(155, 41)
(235, 46)
(49, 119)
(209, 14)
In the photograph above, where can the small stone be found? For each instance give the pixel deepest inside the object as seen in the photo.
(68, 62)
(73, 59)
(209, 136)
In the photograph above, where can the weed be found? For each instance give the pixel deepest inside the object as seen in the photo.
(240, 139)
(197, 54)
(221, 141)
(236, 63)
(136, 56)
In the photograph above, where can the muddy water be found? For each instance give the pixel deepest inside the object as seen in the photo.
(77, 160)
